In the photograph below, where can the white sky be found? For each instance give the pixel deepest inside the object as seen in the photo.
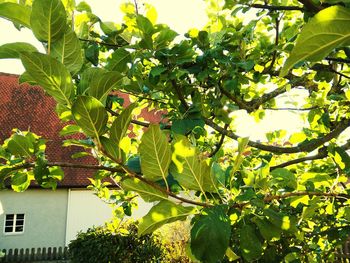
(180, 15)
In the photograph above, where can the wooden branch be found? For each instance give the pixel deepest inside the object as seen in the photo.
(292, 194)
(219, 144)
(308, 147)
(310, 6)
(277, 8)
(120, 169)
(292, 109)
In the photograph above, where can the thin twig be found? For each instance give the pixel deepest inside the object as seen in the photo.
(219, 144)
(277, 8)
(308, 147)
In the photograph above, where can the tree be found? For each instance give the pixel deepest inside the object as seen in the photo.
(285, 198)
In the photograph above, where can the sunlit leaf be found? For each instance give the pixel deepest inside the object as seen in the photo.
(155, 154)
(147, 192)
(48, 20)
(163, 213)
(90, 115)
(68, 51)
(119, 60)
(102, 84)
(13, 50)
(189, 170)
(50, 75)
(16, 13)
(325, 31)
(120, 126)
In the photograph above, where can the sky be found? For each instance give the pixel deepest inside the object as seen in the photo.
(180, 15)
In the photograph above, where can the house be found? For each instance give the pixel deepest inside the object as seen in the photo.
(42, 217)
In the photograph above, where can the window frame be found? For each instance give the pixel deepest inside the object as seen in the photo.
(14, 224)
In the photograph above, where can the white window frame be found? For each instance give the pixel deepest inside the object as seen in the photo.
(13, 232)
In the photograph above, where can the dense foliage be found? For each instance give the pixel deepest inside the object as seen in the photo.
(114, 244)
(280, 198)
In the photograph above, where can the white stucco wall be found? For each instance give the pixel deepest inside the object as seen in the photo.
(45, 217)
(84, 211)
(53, 218)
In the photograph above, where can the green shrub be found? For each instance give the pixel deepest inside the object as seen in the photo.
(115, 243)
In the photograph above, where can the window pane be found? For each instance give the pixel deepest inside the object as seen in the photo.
(10, 216)
(19, 229)
(20, 216)
(19, 222)
(8, 229)
(9, 223)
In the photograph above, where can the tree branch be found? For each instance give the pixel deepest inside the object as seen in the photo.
(100, 43)
(179, 94)
(292, 194)
(277, 8)
(219, 144)
(310, 6)
(307, 147)
(292, 109)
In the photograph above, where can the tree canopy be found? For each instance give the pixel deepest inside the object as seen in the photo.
(281, 198)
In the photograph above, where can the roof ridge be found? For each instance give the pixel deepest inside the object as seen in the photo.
(9, 74)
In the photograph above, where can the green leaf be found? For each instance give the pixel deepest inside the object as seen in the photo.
(164, 37)
(111, 148)
(13, 50)
(102, 84)
(325, 31)
(210, 235)
(155, 152)
(50, 75)
(20, 145)
(282, 177)
(69, 130)
(144, 25)
(120, 126)
(119, 60)
(280, 220)
(163, 213)
(20, 181)
(67, 50)
(92, 53)
(189, 170)
(250, 244)
(86, 78)
(134, 164)
(267, 229)
(16, 13)
(90, 115)
(48, 20)
(147, 192)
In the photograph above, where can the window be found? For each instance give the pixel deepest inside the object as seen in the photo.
(14, 223)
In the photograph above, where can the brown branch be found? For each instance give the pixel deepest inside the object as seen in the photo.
(219, 144)
(179, 94)
(292, 194)
(121, 169)
(255, 103)
(240, 103)
(318, 156)
(277, 8)
(100, 43)
(274, 56)
(141, 123)
(310, 6)
(340, 60)
(292, 109)
(270, 198)
(307, 147)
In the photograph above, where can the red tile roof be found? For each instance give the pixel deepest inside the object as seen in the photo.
(28, 108)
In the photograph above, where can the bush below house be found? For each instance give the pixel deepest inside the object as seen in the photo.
(119, 242)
